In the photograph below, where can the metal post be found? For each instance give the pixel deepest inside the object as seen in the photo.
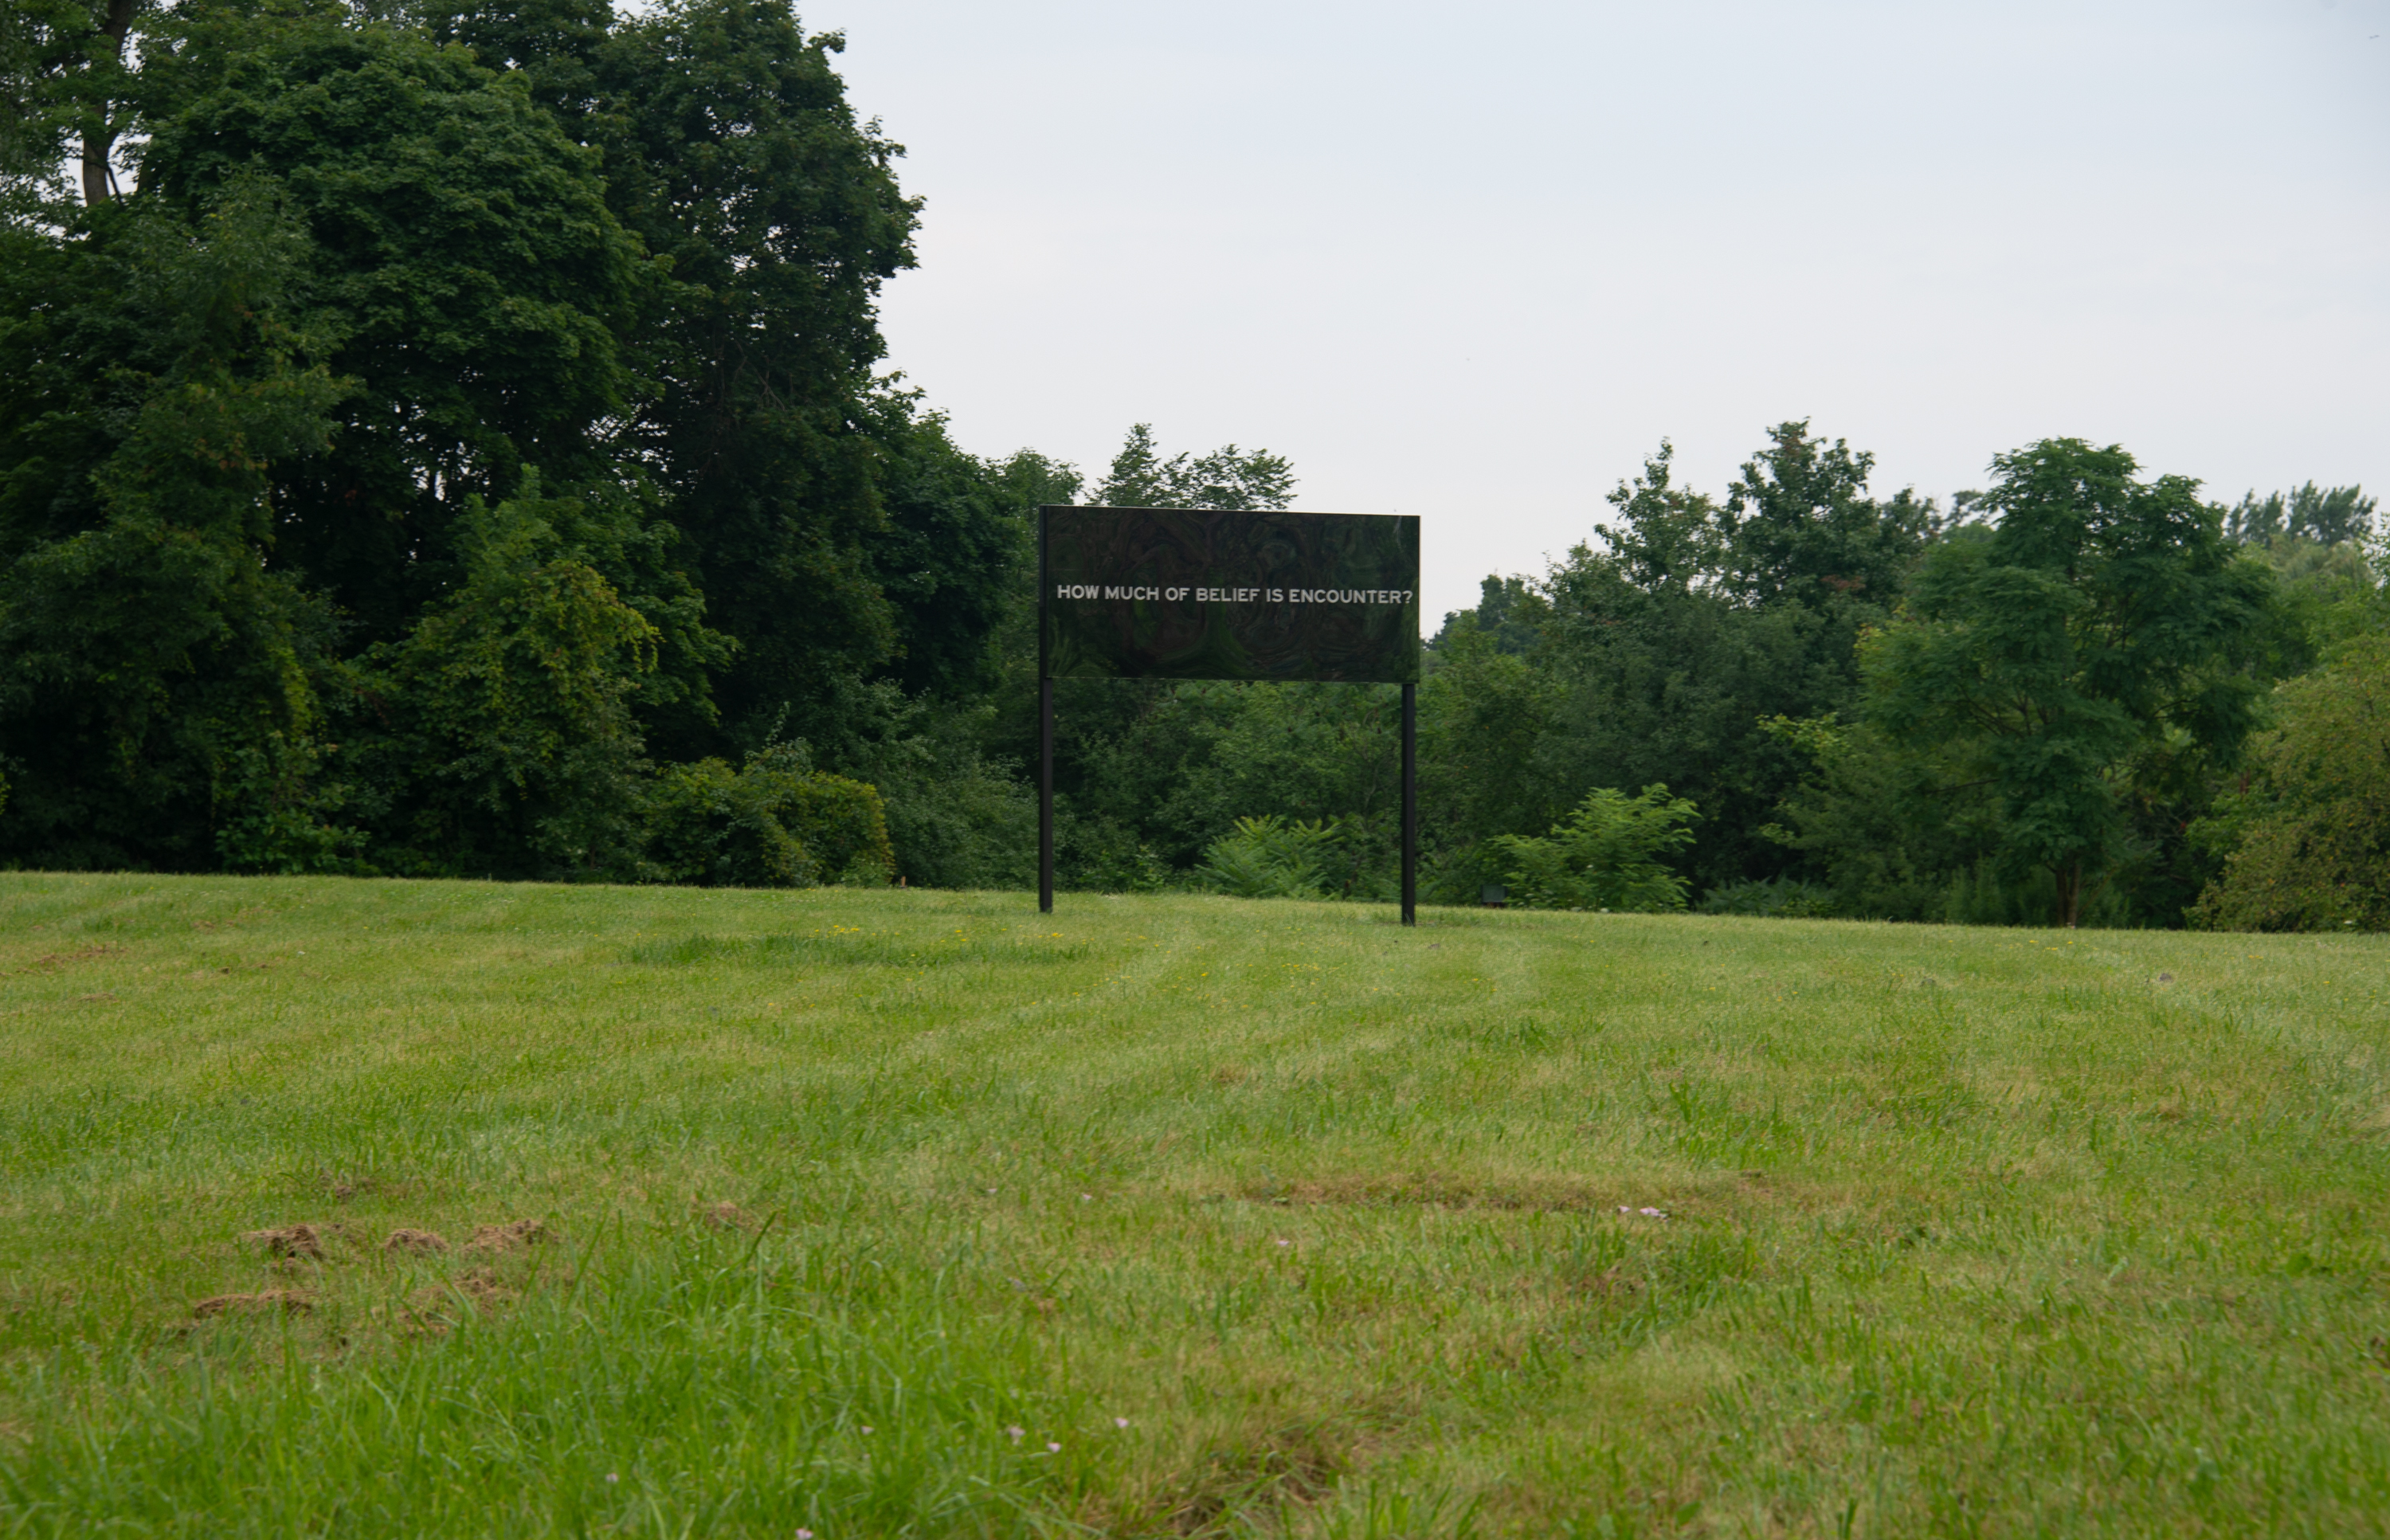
(1045, 796)
(1410, 804)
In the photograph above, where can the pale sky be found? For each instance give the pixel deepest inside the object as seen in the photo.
(1474, 262)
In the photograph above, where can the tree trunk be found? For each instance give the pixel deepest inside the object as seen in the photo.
(98, 134)
(2070, 892)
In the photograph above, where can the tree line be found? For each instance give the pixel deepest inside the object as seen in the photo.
(454, 439)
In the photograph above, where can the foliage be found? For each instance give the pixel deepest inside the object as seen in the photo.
(260, 411)
(958, 818)
(2322, 515)
(1776, 897)
(1227, 477)
(732, 152)
(460, 253)
(775, 822)
(157, 679)
(497, 737)
(1486, 717)
(1887, 828)
(1696, 622)
(2095, 645)
(1268, 858)
(1509, 613)
(2305, 835)
(1605, 856)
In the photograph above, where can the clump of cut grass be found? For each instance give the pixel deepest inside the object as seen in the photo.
(873, 1212)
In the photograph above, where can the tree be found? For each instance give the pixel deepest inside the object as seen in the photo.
(496, 737)
(2306, 834)
(2097, 642)
(1510, 612)
(1798, 525)
(68, 75)
(159, 678)
(955, 562)
(466, 273)
(1691, 622)
(2328, 516)
(1227, 477)
(1485, 713)
(731, 151)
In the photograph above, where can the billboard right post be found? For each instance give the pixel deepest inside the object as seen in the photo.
(1410, 803)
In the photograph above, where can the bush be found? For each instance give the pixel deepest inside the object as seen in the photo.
(1269, 858)
(776, 822)
(1603, 857)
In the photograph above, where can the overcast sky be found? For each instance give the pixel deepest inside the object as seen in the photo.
(1474, 262)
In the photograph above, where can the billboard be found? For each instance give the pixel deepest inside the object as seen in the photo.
(1228, 593)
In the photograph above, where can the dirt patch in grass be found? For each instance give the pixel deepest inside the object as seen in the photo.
(421, 1243)
(512, 1236)
(342, 1189)
(725, 1216)
(51, 962)
(287, 1302)
(291, 1241)
(433, 1310)
(480, 1287)
(1431, 1189)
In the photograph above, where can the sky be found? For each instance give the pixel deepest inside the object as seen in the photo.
(1476, 262)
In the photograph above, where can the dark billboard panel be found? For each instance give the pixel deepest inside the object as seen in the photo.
(1244, 593)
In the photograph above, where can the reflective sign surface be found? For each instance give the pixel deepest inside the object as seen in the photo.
(1199, 594)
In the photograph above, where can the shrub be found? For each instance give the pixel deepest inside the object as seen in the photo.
(776, 823)
(1604, 856)
(1269, 858)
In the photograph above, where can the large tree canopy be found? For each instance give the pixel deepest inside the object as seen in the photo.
(338, 288)
(2100, 637)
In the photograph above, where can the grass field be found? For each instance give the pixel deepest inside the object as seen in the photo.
(875, 1213)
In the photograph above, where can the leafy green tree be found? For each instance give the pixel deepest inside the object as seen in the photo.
(1485, 713)
(1607, 854)
(731, 151)
(68, 76)
(497, 737)
(1897, 832)
(614, 278)
(157, 679)
(1799, 526)
(1510, 612)
(2304, 836)
(465, 270)
(956, 561)
(2326, 516)
(1695, 621)
(2099, 640)
(774, 823)
(1227, 477)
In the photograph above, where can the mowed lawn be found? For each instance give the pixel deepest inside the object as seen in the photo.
(884, 1213)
